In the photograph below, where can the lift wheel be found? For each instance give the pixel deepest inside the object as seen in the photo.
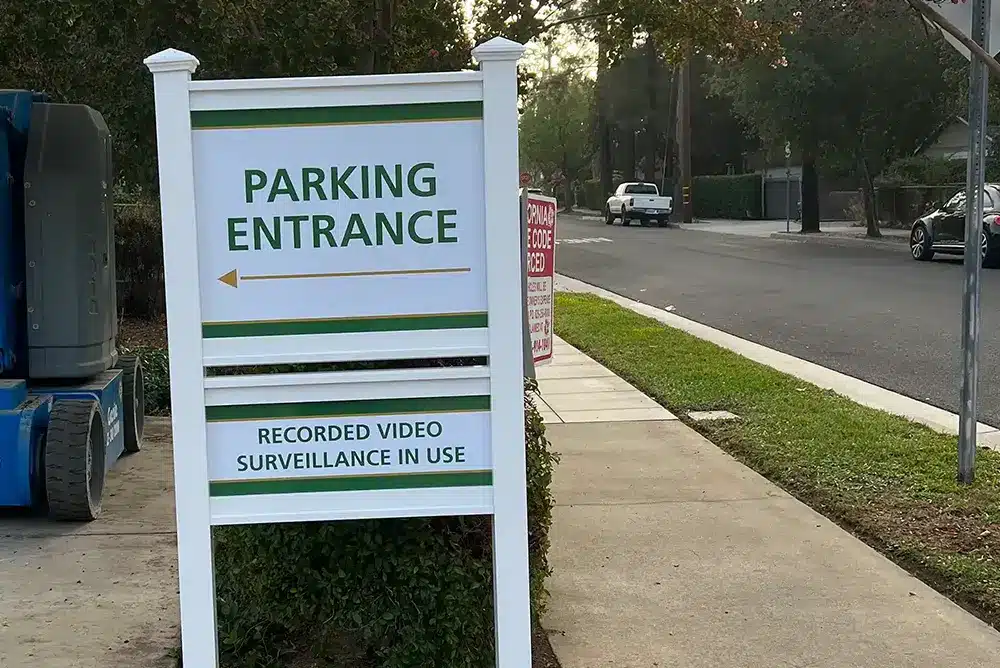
(74, 460)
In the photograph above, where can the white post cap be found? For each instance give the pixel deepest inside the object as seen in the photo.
(498, 48)
(171, 60)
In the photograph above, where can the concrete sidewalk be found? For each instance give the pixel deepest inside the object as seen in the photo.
(668, 552)
(101, 594)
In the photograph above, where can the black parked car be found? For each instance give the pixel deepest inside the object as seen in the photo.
(943, 229)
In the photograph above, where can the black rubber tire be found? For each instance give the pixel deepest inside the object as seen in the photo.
(133, 401)
(74, 460)
(609, 218)
(921, 250)
(626, 221)
(991, 259)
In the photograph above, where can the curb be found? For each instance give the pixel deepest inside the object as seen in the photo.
(842, 242)
(856, 390)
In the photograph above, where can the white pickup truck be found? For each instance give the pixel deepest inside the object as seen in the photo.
(638, 201)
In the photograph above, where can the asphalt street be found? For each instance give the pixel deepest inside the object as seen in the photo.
(872, 313)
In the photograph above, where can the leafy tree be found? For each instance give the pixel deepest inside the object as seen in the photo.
(841, 93)
(671, 30)
(91, 51)
(555, 130)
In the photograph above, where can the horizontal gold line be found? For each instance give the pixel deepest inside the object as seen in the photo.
(349, 274)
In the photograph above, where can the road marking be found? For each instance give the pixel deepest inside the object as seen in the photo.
(585, 240)
(855, 389)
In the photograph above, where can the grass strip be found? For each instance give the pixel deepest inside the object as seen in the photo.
(888, 480)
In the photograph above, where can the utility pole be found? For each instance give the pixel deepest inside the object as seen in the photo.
(684, 138)
(788, 187)
(978, 83)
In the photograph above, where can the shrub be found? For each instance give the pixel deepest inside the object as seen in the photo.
(139, 259)
(920, 170)
(391, 593)
(592, 195)
(726, 196)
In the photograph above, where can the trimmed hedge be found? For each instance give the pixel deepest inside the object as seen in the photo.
(393, 593)
(727, 196)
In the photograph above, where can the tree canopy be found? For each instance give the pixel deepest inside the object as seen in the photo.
(91, 51)
(555, 129)
(854, 94)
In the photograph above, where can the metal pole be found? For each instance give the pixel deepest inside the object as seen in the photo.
(973, 231)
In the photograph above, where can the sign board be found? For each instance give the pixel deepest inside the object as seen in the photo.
(525, 179)
(334, 219)
(541, 223)
(959, 12)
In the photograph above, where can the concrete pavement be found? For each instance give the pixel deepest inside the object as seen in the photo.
(871, 313)
(101, 594)
(668, 552)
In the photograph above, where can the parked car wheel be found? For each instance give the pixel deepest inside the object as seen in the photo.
(920, 243)
(609, 218)
(625, 219)
(988, 250)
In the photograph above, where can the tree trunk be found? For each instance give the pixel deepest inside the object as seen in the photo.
(686, 204)
(810, 192)
(366, 60)
(652, 134)
(383, 31)
(568, 194)
(626, 143)
(868, 198)
(605, 158)
(671, 129)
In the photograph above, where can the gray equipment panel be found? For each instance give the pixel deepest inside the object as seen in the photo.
(69, 243)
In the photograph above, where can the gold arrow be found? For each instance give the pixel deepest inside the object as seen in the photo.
(232, 279)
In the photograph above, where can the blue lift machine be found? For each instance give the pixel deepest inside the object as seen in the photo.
(70, 405)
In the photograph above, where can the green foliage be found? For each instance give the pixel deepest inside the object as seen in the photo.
(593, 195)
(921, 170)
(555, 127)
(394, 593)
(727, 196)
(139, 259)
(391, 593)
(91, 51)
(156, 377)
(840, 91)
(718, 27)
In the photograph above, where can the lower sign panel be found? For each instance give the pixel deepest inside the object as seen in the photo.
(424, 455)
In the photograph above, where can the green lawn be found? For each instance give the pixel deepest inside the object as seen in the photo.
(890, 481)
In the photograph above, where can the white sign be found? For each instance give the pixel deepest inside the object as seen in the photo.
(271, 453)
(331, 219)
(541, 229)
(960, 13)
(385, 228)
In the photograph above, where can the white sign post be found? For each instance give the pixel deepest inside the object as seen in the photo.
(328, 219)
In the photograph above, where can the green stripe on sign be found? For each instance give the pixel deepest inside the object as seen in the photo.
(352, 408)
(405, 323)
(392, 113)
(351, 483)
